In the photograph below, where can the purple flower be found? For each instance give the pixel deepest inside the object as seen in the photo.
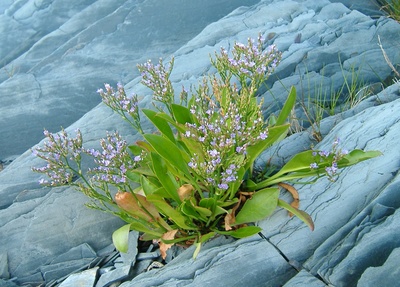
(223, 186)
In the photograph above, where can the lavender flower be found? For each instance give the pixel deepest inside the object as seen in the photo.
(63, 157)
(126, 107)
(156, 77)
(113, 161)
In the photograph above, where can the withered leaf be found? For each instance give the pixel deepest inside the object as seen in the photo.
(136, 205)
(185, 191)
(165, 246)
(295, 195)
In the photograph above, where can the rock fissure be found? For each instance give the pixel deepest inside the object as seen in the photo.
(297, 266)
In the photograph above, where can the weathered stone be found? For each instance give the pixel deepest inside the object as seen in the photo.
(303, 278)
(4, 274)
(116, 275)
(83, 278)
(388, 272)
(321, 41)
(129, 258)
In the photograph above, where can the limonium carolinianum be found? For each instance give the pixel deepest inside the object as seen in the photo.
(193, 178)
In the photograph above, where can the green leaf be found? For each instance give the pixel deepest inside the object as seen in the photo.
(274, 134)
(303, 216)
(120, 238)
(169, 151)
(261, 205)
(147, 186)
(189, 210)
(300, 162)
(204, 212)
(160, 123)
(287, 107)
(174, 215)
(181, 128)
(356, 156)
(241, 232)
(181, 114)
(135, 149)
(165, 178)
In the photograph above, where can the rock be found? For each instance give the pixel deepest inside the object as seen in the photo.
(303, 278)
(388, 272)
(4, 274)
(57, 56)
(116, 275)
(67, 263)
(7, 283)
(84, 278)
(129, 258)
(43, 224)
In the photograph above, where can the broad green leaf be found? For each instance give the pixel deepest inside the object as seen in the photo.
(181, 128)
(169, 151)
(303, 216)
(144, 145)
(174, 215)
(300, 162)
(133, 176)
(356, 156)
(274, 134)
(141, 227)
(204, 212)
(165, 178)
(287, 107)
(261, 205)
(135, 149)
(241, 232)
(147, 186)
(188, 209)
(208, 203)
(120, 238)
(181, 114)
(206, 237)
(160, 123)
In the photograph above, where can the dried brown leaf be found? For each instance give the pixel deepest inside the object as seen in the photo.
(165, 246)
(295, 195)
(185, 191)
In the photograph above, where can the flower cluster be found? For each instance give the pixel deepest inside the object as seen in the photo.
(63, 157)
(113, 161)
(156, 78)
(225, 131)
(332, 157)
(249, 61)
(122, 104)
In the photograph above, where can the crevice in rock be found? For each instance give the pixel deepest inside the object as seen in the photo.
(293, 263)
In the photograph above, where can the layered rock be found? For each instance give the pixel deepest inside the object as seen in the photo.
(356, 217)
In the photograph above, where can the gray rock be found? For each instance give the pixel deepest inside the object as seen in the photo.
(43, 223)
(4, 274)
(303, 278)
(129, 258)
(7, 283)
(69, 262)
(84, 278)
(56, 54)
(116, 275)
(388, 272)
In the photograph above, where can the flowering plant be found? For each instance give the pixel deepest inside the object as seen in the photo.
(193, 179)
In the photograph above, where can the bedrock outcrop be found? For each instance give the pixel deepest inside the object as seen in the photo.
(47, 233)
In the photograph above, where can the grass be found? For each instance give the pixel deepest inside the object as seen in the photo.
(391, 8)
(324, 102)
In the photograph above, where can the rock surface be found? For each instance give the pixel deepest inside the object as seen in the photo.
(56, 54)
(44, 232)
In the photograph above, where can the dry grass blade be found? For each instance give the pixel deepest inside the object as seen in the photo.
(295, 195)
(387, 58)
